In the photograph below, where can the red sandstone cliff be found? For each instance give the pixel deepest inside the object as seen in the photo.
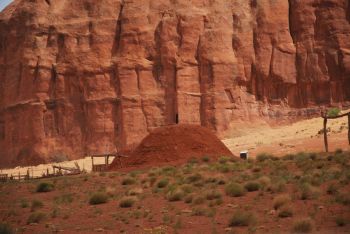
(92, 75)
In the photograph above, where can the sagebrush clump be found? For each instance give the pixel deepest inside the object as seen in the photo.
(98, 198)
(281, 200)
(36, 217)
(302, 226)
(127, 202)
(252, 186)
(234, 190)
(5, 228)
(242, 218)
(45, 187)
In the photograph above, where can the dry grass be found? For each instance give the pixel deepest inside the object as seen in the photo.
(302, 226)
(36, 217)
(281, 200)
(285, 211)
(98, 198)
(127, 202)
(45, 187)
(242, 218)
(234, 190)
(192, 190)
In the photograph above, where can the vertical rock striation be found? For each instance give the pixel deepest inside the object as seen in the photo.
(87, 76)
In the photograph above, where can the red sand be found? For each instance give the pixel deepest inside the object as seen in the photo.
(176, 143)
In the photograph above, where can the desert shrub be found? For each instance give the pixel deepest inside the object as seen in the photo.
(135, 191)
(193, 178)
(288, 157)
(263, 157)
(128, 181)
(175, 195)
(211, 180)
(24, 203)
(256, 169)
(285, 211)
(301, 158)
(234, 190)
(64, 199)
(213, 194)
(313, 156)
(193, 160)
(309, 192)
(162, 183)
(187, 188)
(203, 211)
(264, 181)
(187, 169)
(223, 159)
(302, 226)
(345, 178)
(216, 202)
(36, 204)
(199, 211)
(332, 189)
(198, 200)
(98, 198)
(252, 186)
(36, 217)
(277, 186)
(316, 179)
(127, 202)
(152, 180)
(169, 170)
(55, 212)
(223, 168)
(242, 218)
(5, 228)
(205, 159)
(281, 200)
(153, 172)
(44, 187)
(188, 198)
(341, 159)
(305, 179)
(221, 181)
(338, 151)
(340, 221)
(343, 198)
(333, 112)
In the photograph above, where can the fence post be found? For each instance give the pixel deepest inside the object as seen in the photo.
(325, 133)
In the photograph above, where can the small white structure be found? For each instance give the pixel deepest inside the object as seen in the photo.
(244, 155)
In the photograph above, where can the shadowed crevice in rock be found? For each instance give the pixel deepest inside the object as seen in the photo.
(290, 20)
(118, 31)
(348, 11)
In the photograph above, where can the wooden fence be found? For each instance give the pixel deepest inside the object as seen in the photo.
(325, 120)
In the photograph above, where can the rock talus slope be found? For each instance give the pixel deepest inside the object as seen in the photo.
(88, 76)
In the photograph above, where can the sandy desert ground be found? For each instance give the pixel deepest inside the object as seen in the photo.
(302, 136)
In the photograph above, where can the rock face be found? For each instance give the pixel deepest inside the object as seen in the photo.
(87, 76)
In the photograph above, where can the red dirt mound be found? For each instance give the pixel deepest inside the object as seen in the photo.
(176, 143)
